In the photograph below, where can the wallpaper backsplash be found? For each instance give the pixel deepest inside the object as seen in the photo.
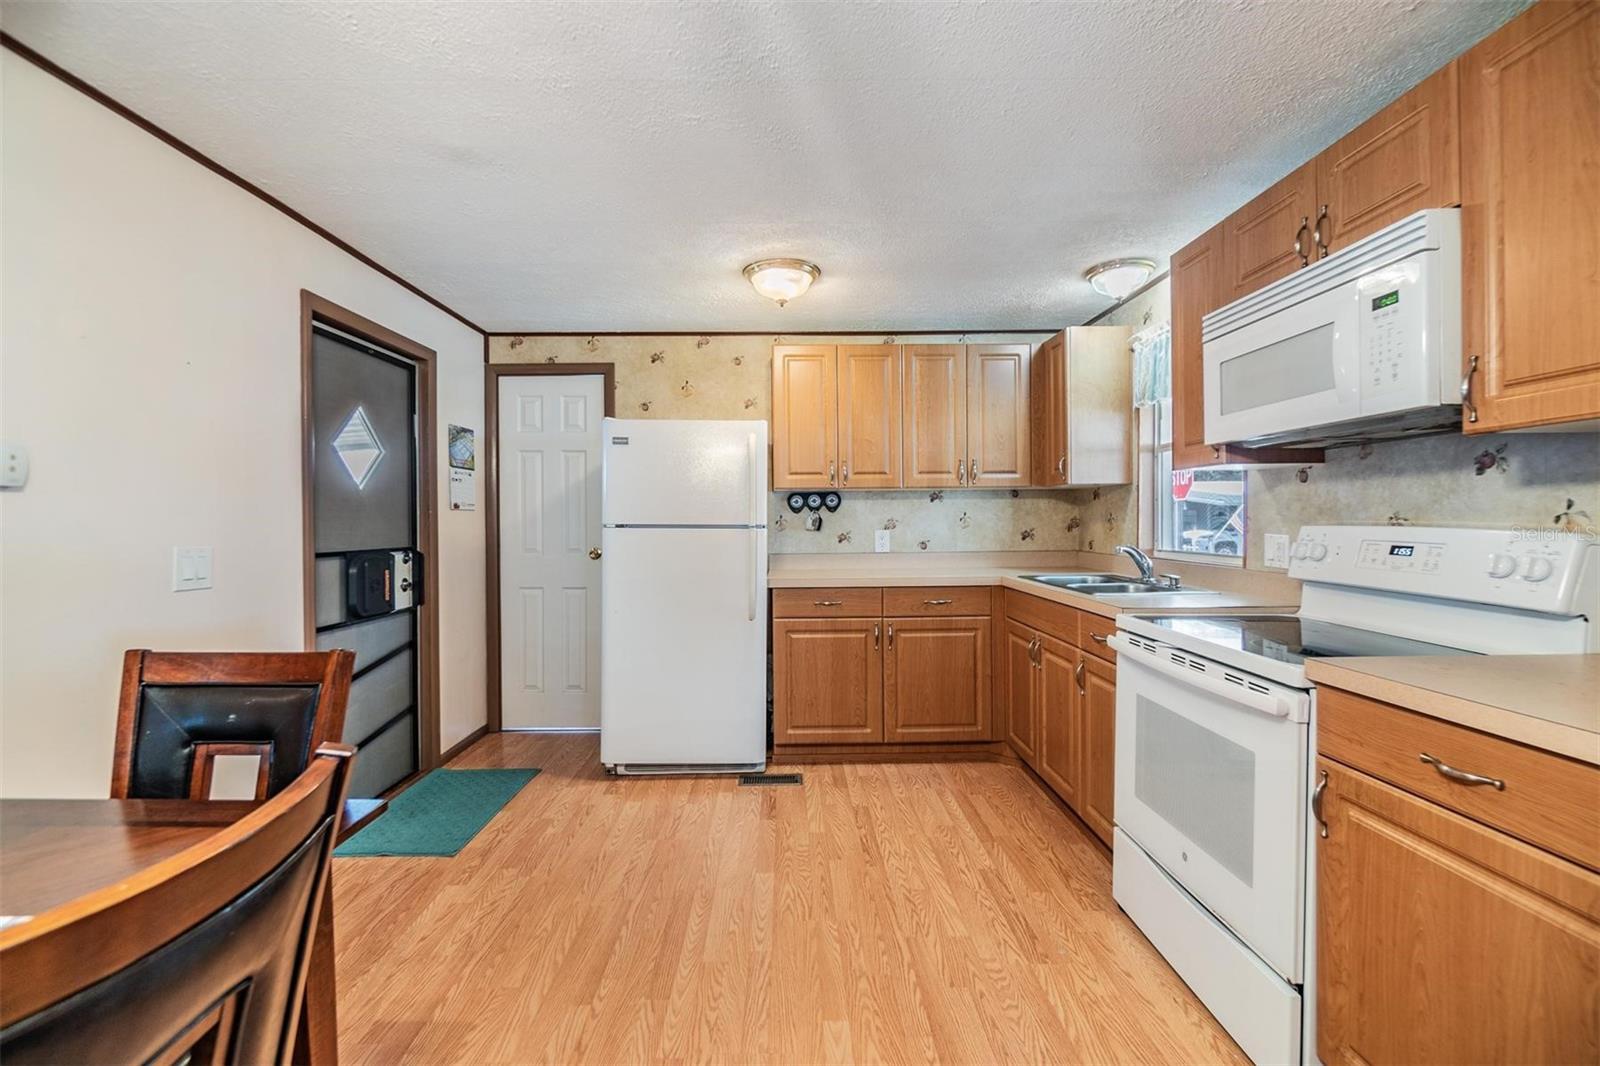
(1534, 479)
(731, 377)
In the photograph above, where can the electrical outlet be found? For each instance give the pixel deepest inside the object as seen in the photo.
(191, 569)
(13, 466)
(880, 540)
(1277, 551)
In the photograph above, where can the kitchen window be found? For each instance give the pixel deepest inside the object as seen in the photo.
(1198, 513)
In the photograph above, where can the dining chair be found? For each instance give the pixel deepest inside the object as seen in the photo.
(180, 711)
(200, 958)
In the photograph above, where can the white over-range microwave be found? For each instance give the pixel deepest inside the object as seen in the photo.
(1364, 345)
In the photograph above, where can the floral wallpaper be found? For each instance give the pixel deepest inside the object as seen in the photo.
(1538, 479)
(662, 376)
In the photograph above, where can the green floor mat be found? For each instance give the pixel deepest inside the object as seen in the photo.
(438, 815)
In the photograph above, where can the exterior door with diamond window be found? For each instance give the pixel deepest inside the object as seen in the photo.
(364, 485)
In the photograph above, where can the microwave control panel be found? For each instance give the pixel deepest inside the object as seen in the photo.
(1392, 309)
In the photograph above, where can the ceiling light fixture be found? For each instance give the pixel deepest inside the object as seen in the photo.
(1117, 278)
(781, 280)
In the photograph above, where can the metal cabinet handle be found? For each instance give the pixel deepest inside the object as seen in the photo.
(1061, 468)
(845, 479)
(1466, 390)
(827, 603)
(875, 632)
(961, 472)
(1316, 803)
(1316, 234)
(1077, 675)
(594, 553)
(891, 636)
(832, 466)
(1097, 638)
(1461, 776)
(1299, 245)
(936, 603)
(972, 469)
(1033, 648)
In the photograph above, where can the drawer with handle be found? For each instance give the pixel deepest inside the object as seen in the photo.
(1094, 631)
(827, 603)
(1546, 799)
(947, 600)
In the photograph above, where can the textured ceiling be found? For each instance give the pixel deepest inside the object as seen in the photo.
(611, 166)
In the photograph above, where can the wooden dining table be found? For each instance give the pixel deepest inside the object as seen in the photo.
(54, 851)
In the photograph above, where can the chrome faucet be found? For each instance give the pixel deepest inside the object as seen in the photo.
(1147, 569)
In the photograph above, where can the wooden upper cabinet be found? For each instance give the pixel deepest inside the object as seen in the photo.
(1082, 409)
(1060, 732)
(1530, 149)
(1402, 160)
(1441, 940)
(936, 679)
(869, 416)
(805, 407)
(1270, 237)
(935, 433)
(997, 415)
(827, 680)
(1097, 694)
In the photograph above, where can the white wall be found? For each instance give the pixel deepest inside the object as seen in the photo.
(149, 360)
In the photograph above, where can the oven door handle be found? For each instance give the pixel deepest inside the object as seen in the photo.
(1268, 703)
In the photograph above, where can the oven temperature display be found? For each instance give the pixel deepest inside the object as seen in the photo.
(1392, 555)
(1405, 551)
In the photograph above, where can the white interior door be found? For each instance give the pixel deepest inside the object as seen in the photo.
(549, 450)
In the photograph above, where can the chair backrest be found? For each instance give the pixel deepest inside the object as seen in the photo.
(180, 710)
(200, 957)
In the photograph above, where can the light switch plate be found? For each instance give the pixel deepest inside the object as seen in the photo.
(13, 466)
(880, 540)
(1277, 551)
(191, 569)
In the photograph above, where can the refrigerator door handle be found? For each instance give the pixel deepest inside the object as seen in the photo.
(755, 573)
(755, 481)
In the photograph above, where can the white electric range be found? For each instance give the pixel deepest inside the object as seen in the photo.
(1213, 854)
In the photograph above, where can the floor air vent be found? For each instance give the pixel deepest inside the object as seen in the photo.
(769, 779)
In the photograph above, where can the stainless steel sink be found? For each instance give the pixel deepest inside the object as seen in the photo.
(1107, 585)
(1072, 581)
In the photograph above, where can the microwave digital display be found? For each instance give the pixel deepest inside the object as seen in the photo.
(1388, 299)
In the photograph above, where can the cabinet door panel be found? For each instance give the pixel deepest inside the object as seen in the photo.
(1442, 940)
(1098, 693)
(1530, 149)
(805, 408)
(1260, 236)
(1060, 732)
(935, 415)
(869, 416)
(1021, 708)
(1403, 159)
(997, 415)
(1047, 412)
(936, 679)
(827, 681)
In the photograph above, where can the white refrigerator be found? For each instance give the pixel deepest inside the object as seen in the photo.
(683, 592)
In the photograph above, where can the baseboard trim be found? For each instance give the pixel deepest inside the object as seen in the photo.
(553, 729)
(982, 751)
(464, 743)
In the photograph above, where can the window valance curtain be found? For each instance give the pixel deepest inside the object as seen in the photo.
(1152, 364)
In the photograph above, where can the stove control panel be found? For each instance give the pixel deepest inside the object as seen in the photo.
(1533, 569)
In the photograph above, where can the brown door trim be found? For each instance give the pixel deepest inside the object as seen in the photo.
(492, 373)
(314, 308)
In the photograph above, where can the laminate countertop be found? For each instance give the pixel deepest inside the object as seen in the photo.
(1551, 702)
(859, 571)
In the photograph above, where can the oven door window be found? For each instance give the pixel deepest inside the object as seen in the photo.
(1199, 782)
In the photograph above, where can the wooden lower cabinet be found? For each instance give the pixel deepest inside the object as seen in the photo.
(1022, 719)
(1443, 940)
(936, 679)
(1058, 713)
(1098, 696)
(827, 680)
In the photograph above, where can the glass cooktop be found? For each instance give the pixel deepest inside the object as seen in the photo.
(1286, 638)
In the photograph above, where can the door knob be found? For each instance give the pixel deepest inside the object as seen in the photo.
(594, 553)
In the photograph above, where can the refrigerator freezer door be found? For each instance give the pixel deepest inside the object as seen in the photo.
(684, 473)
(683, 651)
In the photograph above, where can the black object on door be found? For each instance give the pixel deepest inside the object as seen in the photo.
(365, 535)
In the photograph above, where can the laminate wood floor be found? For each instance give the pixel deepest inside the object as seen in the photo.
(940, 912)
